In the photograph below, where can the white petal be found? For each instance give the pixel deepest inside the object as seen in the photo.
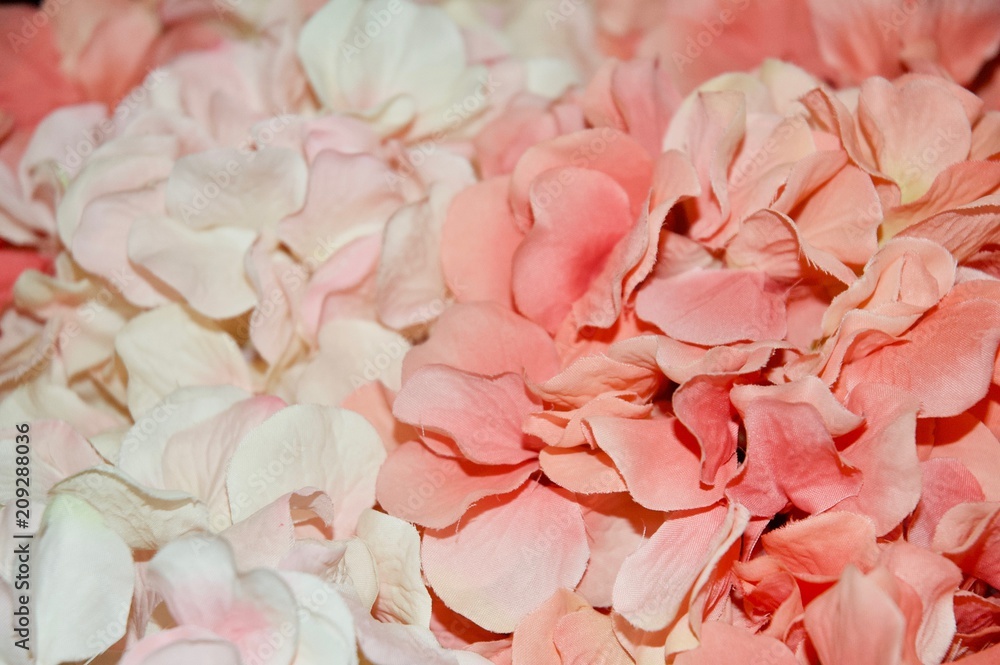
(351, 354)
(230, 187)
(205, 267)
(168, 348)
(331, 449)
(83, 579)
(395, 546)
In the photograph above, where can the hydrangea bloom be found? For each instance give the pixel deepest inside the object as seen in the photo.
(528, 333)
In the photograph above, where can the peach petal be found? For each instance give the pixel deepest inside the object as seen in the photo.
(504, 560)
(482, 416)
(711, 307)
(444, 489)
(486, 339)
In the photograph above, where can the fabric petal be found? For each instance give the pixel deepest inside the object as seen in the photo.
(240, 188)
(482, 416)
(422, 487)
(307, 445)
(648, 451)
(856, 621)
(205, 267)
(395, 546)
(575, 229)
(503, 561)
(168, 348)
(656, 582)
(710, 307)
(721, 642)
(198, 581)
(486, 339)
(83, 584)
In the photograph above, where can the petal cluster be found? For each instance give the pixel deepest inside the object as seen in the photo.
(527, 333)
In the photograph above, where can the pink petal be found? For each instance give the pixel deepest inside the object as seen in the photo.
(710, 307)
(616, 527)
(843, 216)
(723, 643)
(702, 405)
(186, 644)
(648, 451)
(935, 580)
(482, 416)
(486, 339)
(791, 457)
(580, 216)
(446, 487)
(946, 482)
(657, 581)
(853, 37)
(632, 259)
(886, 454)
(818, 547)
(198, 580)
(904, 279)
(954, 188)
(266, 538)
(504, 560)
(965, 438)
(581, 470)
(586, 636)
(347, 196)
(916, 128)
(634, 96)
(964, 230)
(604, 150)
(771, 242)
(948, 373)
(837, 418)
(713, 134)
(969, 535)
(856, 622)
(478, 242)
(534, 636)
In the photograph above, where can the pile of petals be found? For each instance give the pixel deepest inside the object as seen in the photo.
(383, 332)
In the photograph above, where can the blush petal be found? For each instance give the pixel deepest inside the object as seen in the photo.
(503, 561)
